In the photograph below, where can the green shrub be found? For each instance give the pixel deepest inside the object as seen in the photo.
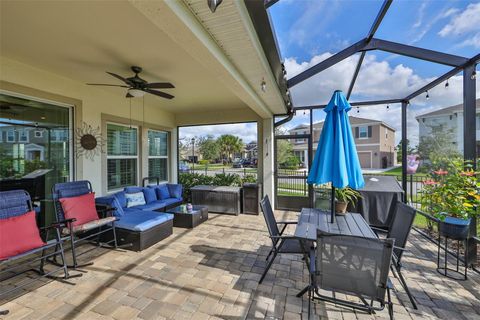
(249, 178)
(203, 162)
(228, 179)
(189, 180)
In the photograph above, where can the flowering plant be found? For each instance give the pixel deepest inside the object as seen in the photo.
(452, 191)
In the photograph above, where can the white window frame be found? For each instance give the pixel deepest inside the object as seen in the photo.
(23, 133)
(137, 157)
(360, 132)
(72, 161)
(9, 137)
(158, 157)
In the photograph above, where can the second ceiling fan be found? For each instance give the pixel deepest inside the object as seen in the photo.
(137, 86)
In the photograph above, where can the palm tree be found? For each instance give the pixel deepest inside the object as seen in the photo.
(229, 144)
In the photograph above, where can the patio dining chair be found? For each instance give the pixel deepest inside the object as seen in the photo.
(351, 265)
(399, 230)
(280, 243)
(82, 221)
(21, 246)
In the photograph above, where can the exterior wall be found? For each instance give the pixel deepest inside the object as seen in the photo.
(378, 145)
(89, 105)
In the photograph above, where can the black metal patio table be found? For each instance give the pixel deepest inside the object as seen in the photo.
(350, 224)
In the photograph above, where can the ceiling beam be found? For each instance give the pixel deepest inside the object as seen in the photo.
(376, 24)
(378, 20)
(269, 3)
(442, 78)
(355, 74)
(354, 104)
(327, 63)
(415, 52)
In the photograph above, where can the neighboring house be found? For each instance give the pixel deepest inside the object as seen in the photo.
(32, 141)
(375, 141)
(449, 119)
(250, 150)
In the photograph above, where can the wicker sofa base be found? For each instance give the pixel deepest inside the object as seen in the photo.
(144, 239)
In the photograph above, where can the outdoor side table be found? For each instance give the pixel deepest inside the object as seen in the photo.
(189, 219)
(444, 270)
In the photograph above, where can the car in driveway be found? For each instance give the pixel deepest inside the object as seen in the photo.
(183, 167)
(237, 164)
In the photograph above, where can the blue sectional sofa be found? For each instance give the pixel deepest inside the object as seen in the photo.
(145, 224)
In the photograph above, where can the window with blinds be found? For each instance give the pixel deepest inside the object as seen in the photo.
(158, 154)
(122, 156)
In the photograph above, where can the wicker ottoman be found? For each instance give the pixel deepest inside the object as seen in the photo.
(184, 219)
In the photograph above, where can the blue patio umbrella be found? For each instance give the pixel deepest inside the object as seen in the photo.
(336, 159)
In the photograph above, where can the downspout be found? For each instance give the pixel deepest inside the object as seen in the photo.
(289, 117)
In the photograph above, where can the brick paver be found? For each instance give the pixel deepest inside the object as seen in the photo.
(212, 272)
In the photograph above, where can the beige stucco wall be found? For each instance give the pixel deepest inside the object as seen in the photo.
(90, 104)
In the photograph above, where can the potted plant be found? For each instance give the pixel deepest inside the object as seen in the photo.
(343, 197)
(452, 196)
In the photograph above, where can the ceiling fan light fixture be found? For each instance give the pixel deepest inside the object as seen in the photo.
(213, 4)
(136, 93)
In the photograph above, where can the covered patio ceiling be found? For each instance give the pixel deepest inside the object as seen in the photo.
(179, 42)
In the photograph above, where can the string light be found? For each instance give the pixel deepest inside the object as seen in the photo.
(427, 96)
(358, 110)
(474, 75)
(388, 107)
(447, 84)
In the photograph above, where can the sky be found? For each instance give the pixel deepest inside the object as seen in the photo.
(311, 31)
(246, 131)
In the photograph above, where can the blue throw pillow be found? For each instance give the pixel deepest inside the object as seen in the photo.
(121, 199)
(149, 194)
(112, 202)
(133, 189)
(175, 190)
(135, 199)
(162, 192)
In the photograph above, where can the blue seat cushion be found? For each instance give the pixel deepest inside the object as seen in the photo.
(142, 220)
(175, 190)
(121, 198)
(112, 202)
(170, 201)
(150, 195)
(152, 206)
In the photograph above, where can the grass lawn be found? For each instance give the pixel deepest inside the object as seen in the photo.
(398, 172)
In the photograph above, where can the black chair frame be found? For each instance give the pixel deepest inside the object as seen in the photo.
(56, 243)
(314, 294)
(398, 251)
(276, 235)
(93, 235)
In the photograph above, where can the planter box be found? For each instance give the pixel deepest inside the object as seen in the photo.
(454, 228)
(217, 199)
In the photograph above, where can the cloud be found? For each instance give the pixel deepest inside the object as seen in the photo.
(473, 41)
(463, 22)
(377, 80)
(246, 131)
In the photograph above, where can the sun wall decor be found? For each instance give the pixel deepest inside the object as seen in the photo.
(89, 141)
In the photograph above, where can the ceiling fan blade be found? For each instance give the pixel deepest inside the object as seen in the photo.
(119, 77)
(160, 94)
(160, 85)
(107, 85)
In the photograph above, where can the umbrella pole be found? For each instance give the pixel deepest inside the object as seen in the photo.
(332, 205)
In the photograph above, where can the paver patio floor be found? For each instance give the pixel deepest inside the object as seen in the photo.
(212, 272)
